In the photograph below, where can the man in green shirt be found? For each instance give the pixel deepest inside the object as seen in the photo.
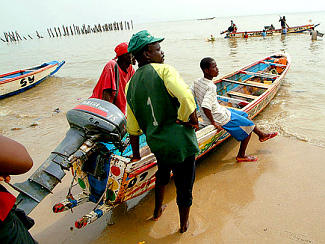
(161, 105)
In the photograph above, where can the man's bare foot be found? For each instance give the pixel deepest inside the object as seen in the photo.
(156, 216)
(185, 228)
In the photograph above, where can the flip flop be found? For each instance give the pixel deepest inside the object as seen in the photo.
(273, 134)
(246, 159)
(163, 207)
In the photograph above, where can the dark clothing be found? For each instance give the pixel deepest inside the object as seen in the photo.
(283, 22)
(184, 176)
(13, 231)
(14, 228)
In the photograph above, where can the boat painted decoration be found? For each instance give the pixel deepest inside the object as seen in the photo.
(21, 80)
(97, 151)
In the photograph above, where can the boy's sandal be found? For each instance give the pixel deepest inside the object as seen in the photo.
(247, 158)
(271, 135)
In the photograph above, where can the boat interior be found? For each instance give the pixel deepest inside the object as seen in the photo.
(238, 90)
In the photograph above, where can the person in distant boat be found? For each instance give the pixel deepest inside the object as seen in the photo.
(245, 34)
(232, 27)
(234, 121)
(115, 75)
(14, 224)
(212, 38)
(161, 105)
(283, 23)
(313, 34)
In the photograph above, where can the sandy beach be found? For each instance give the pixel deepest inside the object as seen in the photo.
(278, 199)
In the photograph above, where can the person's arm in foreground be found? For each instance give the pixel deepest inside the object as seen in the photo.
(14, 158)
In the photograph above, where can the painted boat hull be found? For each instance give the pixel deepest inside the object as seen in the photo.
(120, 179)
(22, 80)
(291, 30)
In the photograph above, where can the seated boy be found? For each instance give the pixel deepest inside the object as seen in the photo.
(235, 122)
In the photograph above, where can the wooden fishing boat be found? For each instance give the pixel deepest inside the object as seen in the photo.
(100, 160)
(290, 30)
(22, 80)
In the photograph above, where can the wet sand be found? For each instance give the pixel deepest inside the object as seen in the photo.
(278, 199)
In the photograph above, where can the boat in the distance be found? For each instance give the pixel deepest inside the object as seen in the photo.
(269, 32)
(97, 152)
(211, 18)
(22, 80)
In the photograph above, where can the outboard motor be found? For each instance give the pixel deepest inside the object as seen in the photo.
(92, 120)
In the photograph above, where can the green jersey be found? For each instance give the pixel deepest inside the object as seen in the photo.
(156, 97)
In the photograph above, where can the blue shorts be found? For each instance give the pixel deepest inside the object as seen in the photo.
(239, 126)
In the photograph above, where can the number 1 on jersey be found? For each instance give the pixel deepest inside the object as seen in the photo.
(155, 123)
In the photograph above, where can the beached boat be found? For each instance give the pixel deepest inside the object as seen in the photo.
(97, 151)
(268, 32)
(22, 80)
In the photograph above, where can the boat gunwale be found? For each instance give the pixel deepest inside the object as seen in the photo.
(25, 75)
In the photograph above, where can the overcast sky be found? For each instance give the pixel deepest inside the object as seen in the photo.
(32, 15)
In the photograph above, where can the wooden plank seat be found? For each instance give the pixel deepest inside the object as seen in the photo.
(238, 94)
(260, 74)
(231, 107)
(258, 83)
(274, 64)
(254, 84)
(231, 99)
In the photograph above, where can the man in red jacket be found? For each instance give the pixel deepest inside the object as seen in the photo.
(116, 73)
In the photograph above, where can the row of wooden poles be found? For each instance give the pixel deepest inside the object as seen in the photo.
(71, 30)
(15, 37)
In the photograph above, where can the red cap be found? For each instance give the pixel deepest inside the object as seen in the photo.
(121, 49)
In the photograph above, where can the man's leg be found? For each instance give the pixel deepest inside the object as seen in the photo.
(184, 176)
(184, 213)
(262, 136)
(159, 198)
(243, 146)
(162, 179)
